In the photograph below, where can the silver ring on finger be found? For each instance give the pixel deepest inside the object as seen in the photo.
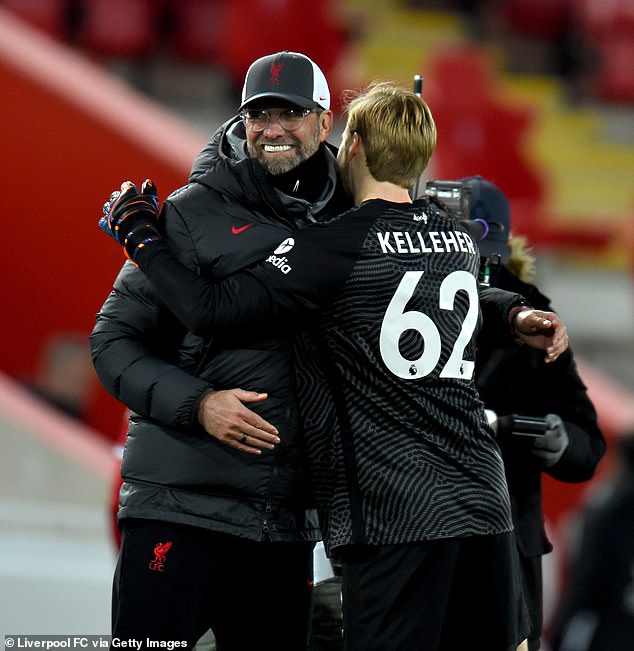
(244, 439)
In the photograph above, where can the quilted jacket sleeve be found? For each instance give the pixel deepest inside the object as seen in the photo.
(134, 347)
(496, 305)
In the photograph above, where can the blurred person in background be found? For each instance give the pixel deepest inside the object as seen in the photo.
(65, 378)
(596, 609)
(514, 380)
(216, 517)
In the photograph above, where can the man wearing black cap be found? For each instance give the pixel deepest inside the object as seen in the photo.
(513, 379)
(217, 523)
(235, 505)
(408, 477)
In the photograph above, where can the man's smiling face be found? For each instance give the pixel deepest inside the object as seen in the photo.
(280, 150)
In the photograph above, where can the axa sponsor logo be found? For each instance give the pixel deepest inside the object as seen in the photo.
(281, 261)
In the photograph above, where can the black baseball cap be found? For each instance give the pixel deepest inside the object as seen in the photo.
(489, 205)
(288, 76)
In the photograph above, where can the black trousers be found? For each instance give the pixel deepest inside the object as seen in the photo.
(440, 595)
(174, 582)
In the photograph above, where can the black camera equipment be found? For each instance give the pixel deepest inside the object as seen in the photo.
(529, 426)
(455, 197)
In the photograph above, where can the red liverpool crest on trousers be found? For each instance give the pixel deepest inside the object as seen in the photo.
(160, 551)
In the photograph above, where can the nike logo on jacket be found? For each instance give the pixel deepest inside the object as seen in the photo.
(236, 230)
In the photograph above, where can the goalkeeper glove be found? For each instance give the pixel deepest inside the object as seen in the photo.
(131, 218)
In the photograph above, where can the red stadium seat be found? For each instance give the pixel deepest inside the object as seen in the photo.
(614, 79)
(197, 29)
(50, 16)
(604, 19)
(120, 28)
(546, 19)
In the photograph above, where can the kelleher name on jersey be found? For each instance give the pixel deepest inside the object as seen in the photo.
(429, 242)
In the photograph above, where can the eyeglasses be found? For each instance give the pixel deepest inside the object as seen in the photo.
(289, 119)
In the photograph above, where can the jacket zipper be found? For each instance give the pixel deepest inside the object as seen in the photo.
(309, 215)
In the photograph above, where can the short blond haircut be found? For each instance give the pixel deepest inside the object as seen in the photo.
(397, 129)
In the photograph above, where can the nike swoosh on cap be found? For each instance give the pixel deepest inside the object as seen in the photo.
(236, 230)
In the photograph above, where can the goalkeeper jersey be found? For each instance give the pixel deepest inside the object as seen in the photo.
(397, 440)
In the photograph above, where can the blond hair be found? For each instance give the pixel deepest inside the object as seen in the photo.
(398, 132)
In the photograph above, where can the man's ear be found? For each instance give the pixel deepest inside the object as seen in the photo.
(326, 120)
(354, 146)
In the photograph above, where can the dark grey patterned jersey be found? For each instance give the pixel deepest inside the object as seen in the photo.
(388, 300)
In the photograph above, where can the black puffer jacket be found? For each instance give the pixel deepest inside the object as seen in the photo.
(224, 220)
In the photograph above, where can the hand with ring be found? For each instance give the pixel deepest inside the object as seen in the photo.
(225, 417)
